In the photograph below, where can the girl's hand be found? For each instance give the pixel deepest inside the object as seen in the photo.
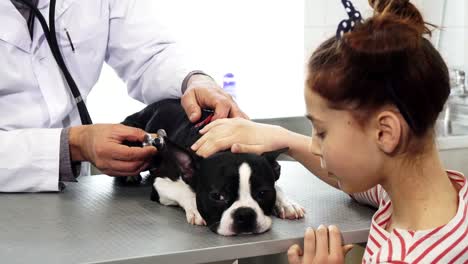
(241, 136)
(321, 246)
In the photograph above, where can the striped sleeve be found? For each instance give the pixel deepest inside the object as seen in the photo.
(370, 197)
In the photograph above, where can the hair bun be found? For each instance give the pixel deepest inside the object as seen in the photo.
(380, 5)
(403, 11)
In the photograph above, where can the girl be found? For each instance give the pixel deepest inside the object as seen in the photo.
(373, 96)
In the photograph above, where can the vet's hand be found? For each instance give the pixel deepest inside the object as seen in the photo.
(102, 146)
(320, 246)
(203, 92)
(241, 136)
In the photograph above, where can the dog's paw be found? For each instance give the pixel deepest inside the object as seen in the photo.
(194, 217)
(289, 209)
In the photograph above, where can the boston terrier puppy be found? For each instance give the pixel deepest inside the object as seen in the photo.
(230, 193)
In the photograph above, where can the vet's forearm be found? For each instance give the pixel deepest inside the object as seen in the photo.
(299, 149)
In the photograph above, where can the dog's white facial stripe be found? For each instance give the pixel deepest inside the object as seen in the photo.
(244, 182)
(245, 200)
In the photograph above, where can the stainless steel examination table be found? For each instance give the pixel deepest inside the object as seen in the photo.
(95, 220)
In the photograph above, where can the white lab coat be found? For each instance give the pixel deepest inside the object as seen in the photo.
(35, 102)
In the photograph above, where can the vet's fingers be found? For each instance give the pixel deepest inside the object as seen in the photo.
(126, 153)
(335, 244)
(294, 254)
(246, 148)
(222, 108)
(114, 171)
(126, 167)
(309, 245)
(122, 132)
(237, 112)
(191, 106)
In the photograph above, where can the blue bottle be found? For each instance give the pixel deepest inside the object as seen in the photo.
(229, 84)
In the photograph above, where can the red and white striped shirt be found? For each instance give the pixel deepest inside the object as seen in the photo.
(444, 244)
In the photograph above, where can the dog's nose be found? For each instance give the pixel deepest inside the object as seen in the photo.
(244, 219)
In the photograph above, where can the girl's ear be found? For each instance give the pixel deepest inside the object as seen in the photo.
(389, 131)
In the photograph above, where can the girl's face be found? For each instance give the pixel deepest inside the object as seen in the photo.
(347, 151)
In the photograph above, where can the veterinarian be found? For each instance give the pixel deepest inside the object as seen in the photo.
(42, 139)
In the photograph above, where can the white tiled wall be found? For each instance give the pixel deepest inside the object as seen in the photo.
(453, 35)
(322, 16)
(466, 36)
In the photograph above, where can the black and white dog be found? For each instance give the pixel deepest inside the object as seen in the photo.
(231, 193)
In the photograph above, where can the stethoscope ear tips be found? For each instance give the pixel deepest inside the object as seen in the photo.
(162, 133)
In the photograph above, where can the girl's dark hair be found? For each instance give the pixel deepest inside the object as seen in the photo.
(384, 60)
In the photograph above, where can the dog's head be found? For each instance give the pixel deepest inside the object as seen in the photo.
(235, 192)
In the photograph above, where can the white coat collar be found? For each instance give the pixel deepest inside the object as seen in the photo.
(14, 29)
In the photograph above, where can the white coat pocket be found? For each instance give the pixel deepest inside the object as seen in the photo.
(82, 33)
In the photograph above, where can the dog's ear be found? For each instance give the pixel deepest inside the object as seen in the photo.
(185, 160)
(271, 157)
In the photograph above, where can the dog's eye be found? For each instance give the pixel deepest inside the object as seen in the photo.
(217, 196)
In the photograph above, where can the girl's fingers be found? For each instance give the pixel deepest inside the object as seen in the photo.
(309, 245)
(210, 147)
(321, 241)
(199, 143)
(211, 125)
(210, 137)
(347, 248)
(335, 238)
(244, 148)
(323, 245)
(294, 254)
(335, 244)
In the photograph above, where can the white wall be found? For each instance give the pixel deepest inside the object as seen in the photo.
(264, 44)
(260, 41)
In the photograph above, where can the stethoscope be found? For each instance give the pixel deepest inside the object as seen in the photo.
(51, 38)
